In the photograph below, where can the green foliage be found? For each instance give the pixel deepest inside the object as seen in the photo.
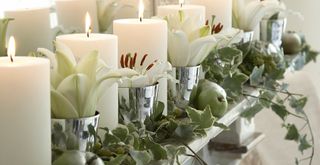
(263, 65)
(260, 53)
(203, 119)
(293, 133)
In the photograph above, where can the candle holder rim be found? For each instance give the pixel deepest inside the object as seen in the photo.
(279, 19)
(156, 84)
(179, 67)
(97, 114)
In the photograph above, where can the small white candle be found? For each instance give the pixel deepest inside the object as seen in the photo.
(222, 9)
(25, 110)
(70, 13)
(144, 36)
(107, 46)
(189, 10)
(31, 27)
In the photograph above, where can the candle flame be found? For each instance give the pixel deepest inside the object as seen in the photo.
(11, 48)
(88, 24)
(181, 2)
(141, 10)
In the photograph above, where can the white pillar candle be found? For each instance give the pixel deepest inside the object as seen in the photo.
(107, 45)
(222, 9)
(148, 36)
(129, 9)
(25, 111)
(70, 13)
(31, 28)
(189, 10)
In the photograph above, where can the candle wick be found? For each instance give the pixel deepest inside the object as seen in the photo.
(180, 5)
(140, 19)
(11, 58)
(88, 32)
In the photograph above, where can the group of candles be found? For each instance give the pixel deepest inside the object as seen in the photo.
(25, 81)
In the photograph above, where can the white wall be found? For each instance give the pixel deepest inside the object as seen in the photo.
(310, 26)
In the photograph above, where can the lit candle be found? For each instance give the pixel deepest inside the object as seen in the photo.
(189, 10)
(107, 46)
(31, 27)
(144, 36)
(70, 13)
(222, 9)
(25, 109)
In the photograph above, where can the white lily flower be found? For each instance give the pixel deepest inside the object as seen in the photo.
(76, 87)
(190, 43)
(136, 76)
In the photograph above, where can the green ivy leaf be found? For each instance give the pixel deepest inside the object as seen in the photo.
(121, 132)
(256, 76)
(298, 104)
(292, 133)
(280, 110)
(158, 151)
(203, 119)
(110, 139)
(184, 132)
(252, 111)
(140, 157)
(304, 144)
(266, 97)
(174, 152)
(233, 84)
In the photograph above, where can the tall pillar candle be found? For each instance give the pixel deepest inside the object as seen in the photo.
(70, 13)
(31, 28)
(129, 9)
(25, 111)
(189, 10)
(107, 46)
(148, 36)
(222, 9)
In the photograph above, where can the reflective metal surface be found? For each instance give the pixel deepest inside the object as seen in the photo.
(247, 37)
(187, 77)
(272, 30)
(139, 102)
(73, 134)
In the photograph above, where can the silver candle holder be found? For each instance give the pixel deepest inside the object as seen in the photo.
(180, 91)
(135, 104)
(247, 37)
(73, 134)
(271, 30)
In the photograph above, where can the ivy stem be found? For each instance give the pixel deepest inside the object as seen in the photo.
(312, 137)
(274, 90)
(195, 154)
(257, 97)
(305, 118)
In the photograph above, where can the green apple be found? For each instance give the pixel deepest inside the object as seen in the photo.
(78, 158)
(210, 93)
(291, 42)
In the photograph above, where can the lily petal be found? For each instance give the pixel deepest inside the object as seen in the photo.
(60, 47)
(177, 48)
(61, 107)
(197, 53)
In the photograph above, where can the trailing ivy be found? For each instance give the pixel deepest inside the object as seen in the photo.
(260, 68)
